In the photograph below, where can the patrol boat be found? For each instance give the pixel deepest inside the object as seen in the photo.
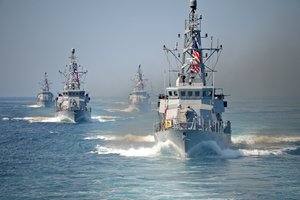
(45, 97)
(139, 98)
(190, 113)
(72, 102)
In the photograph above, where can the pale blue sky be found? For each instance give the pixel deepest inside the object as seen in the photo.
(261, 41)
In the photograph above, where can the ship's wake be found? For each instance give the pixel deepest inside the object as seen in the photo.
(159, 149)
(149, 148)
(130, 145)
(35, 119)
(127, 137)
(33, 106)
(129, 109)
(258, 140)
(103, 118)
(251, 145)
(58, 119)
(265, 145)
(211, 148)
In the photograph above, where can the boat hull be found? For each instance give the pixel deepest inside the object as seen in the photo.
(45, 99)
(140, 102)
(141, 106)
(45, 103)
(189, 142)
(74, 115)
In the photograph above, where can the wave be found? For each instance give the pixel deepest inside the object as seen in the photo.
(212, 148)
(166, 148)
(58, 119)
(153, 151)
(35, 119)
(261, 152)
(104, 118)
(128, 109)
(207, 148)
(262, 139)
(5, 118)
(128, 137)
(33, 106)
(264, 145)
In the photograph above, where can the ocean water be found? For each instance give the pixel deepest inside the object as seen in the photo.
(115, 157)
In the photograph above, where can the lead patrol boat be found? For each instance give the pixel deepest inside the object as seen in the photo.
(45, 97)
(190, 113)
(139, 98)
(72, 102)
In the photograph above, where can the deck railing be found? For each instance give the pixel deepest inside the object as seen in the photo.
(196, 124)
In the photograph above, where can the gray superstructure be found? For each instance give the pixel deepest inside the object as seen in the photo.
(139, 97)
(190, 112)
(45, 97)
(72, 102)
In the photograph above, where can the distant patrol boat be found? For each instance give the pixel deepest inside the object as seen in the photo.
(72, 102)
(139, 98)
(45, 97)
(190, 113)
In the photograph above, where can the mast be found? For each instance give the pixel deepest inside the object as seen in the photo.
(45, 83)
(193, 60)
(72, 73)
(192, 43)
(139, 80)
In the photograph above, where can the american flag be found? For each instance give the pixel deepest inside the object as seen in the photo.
(76, 80)
(197, 58)
(195, 68)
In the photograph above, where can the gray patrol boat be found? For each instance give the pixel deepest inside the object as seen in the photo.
(45, 97)
(190, 112)
(139, 98)
(72, 102)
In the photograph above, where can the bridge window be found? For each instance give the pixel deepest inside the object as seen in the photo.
(182, 93)
(207, 93)
(190, 93)
(197, 93)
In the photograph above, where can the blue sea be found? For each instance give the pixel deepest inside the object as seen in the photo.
(115, 157)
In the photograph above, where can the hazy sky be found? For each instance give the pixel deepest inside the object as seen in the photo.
(261, 43)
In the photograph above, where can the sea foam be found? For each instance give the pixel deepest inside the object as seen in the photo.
(205, 148)
(127, 137)
(104, 118)
(262, 139)
(39, 119)
(159, 148)
(128, 109)
(33, 106)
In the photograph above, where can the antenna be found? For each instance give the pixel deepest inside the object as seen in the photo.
(193, 4)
